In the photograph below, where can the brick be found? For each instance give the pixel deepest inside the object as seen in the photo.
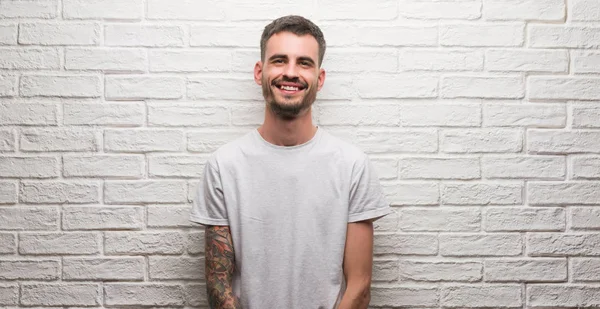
(104, 114)
(361, 115)
(29, 9)
(585, 269)
(8, 243)
(539, 115)
(18, 113)
(388, 223)
(358, 60)
(562, 36)
(123, 268)
(481, 194)
(437, 60)
(481, 296)
(59, 192)
(585, 218)
(396, 86)
(392, 36)
(406, 244)
(415, 9)
(481, 140)
(225, 36)
(584, 10)
(7, 140)
(60, 294)
(385, 270)
(218, 88)
(105, 166)
(169, 216)
(144, 140)
(383, 141)
(483, 87)
(181, 268)
(439, 219)
(410, 296)
(102, 218)
(585, 62)
(187, 114)
(340, 88)
(559, 193)
(106, 59)
(80, 86)
(267, 10)
(143, 35)
(532, 167)
(195, 295)
(524, 219)
(189, 61)
(8, 192)
(506, 60)
(482, 35)
(585, 167)
(244, 60)
(438, 271)
(9, 294)
(354, 9)
(251, 115)
(481, 245)
(195, 242)
(526, 270)
(409, 194)
(29, 218)
(9, 85)
(59, 33)
(63, 139)
(59, 243)
(103, 9)
(29, 269)
(386, 168)
(207, 141)
(143, 87)
(141, 192)
(8, 34)
(176, 166)
(29, 58)
(562, 88)
(185, 10)
(143, 294)
(127, 243)
(586, 116)
(562, 296)
(29, 167)
(563, 142)
(557, 244)
(439, 168)
(524, 10)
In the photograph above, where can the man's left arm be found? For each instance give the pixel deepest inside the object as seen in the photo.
(358, 263)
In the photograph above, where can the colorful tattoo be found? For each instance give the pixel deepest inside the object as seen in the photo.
(220, 264)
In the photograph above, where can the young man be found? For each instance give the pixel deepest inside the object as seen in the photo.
(288, 208)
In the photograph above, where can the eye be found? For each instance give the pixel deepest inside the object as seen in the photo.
(305, 63)
(278, 61)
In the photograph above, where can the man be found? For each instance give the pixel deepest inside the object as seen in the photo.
(288, 208)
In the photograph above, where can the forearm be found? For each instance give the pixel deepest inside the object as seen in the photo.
(220, 293)
(356, 297)
(219, 268)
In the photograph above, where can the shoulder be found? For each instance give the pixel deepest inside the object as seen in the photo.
(344, 150)
(231, 151)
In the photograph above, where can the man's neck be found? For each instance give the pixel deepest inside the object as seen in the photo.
(287, 132)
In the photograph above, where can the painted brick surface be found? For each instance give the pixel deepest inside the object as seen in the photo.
(481, 117)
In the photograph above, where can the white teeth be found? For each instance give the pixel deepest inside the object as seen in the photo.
(290, 88)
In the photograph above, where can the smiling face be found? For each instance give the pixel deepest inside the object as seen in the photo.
(290, 75)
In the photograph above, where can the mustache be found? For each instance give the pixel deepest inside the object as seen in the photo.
(295, 80)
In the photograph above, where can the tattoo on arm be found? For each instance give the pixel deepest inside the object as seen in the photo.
(220, 264)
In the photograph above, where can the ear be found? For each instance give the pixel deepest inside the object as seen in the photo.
(258, 72)
(321, 79)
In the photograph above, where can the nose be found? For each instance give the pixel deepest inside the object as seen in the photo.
(291, 70)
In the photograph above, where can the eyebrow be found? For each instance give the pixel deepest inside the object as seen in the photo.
(282, 56)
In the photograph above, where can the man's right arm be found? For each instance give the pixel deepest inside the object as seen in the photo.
(219, 267)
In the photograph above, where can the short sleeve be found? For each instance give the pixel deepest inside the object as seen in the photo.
(209, 204)
(367, 201)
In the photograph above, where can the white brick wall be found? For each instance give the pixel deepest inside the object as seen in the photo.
(481, 116)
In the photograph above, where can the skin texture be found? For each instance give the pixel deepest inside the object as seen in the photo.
(358, 260)
(220, 265)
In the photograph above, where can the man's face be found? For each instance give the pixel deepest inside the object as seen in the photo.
(290, 75)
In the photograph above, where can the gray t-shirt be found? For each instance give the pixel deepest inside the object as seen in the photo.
(288, 210)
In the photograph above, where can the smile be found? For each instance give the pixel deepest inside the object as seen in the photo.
(289, 87)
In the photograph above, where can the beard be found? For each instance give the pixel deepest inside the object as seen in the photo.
(288, 107)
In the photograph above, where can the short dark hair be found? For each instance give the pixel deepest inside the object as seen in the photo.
(297, 25)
